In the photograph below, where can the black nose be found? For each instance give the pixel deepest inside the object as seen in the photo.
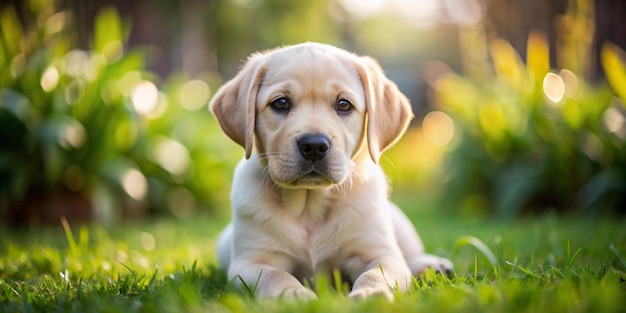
(313, 147)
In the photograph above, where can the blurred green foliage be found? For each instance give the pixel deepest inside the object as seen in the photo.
(94, 123)
(530, 137)
(275, 23)
(505, 137)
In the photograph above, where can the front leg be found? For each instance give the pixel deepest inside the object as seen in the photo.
(380, 277)
(267, 281)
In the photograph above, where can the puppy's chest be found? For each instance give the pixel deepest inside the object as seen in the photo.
(312, 230)
(306, 207)
(313, 246)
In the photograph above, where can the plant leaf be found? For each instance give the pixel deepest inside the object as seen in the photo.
(538, 56)
(11, 33)
(507, 63)
(613, 61)
(515, 186)
(108, 34)
(457, 95)
(16, 103)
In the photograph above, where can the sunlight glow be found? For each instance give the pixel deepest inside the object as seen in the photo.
(419, 13)
(465, 12)
(418, 9)
(363, 8)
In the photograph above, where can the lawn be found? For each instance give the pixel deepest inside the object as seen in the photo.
(544, 264)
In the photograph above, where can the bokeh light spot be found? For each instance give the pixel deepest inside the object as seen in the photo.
(570, 81)
(144, 97)
(194, 95)
(147, 241)
(614, 120)
(72, 135)
(56, 23)
(135, 184)
(438, 128)
(113, 51)
(160, 107)
(50, 79)
(74, 91)
(171, 155)
(106, 266)
(76, 62)
(553, 87)
(465, 12)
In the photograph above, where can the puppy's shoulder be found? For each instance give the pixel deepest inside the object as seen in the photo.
(370, 174)
(247, 169)
(249, 183)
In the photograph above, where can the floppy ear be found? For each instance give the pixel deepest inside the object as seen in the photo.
(234, 103)
(388, 109)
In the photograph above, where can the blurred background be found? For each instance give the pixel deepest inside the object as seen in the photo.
(520, 105)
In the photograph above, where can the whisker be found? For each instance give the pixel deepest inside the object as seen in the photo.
(270, 153)
(348, 184)
(267, 178)
(267, 155)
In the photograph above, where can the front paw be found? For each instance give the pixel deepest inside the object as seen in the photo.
(298, 293)
(420, 264)
(366, 292)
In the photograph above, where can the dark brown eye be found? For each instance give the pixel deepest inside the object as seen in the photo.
(344, 106)
(280, 104)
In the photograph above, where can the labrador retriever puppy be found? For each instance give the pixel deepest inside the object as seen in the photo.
(313, 199)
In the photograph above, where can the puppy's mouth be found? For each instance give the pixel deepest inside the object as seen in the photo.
(311, 179)
(291, 174)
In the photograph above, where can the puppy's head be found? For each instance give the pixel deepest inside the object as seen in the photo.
(309, 110)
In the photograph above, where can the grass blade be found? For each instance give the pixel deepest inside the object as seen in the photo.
(339, 285)
(70, 237)
(479, 245)
(618, 255)
(526, 271)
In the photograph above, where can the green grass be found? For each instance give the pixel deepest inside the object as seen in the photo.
(549, 264)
